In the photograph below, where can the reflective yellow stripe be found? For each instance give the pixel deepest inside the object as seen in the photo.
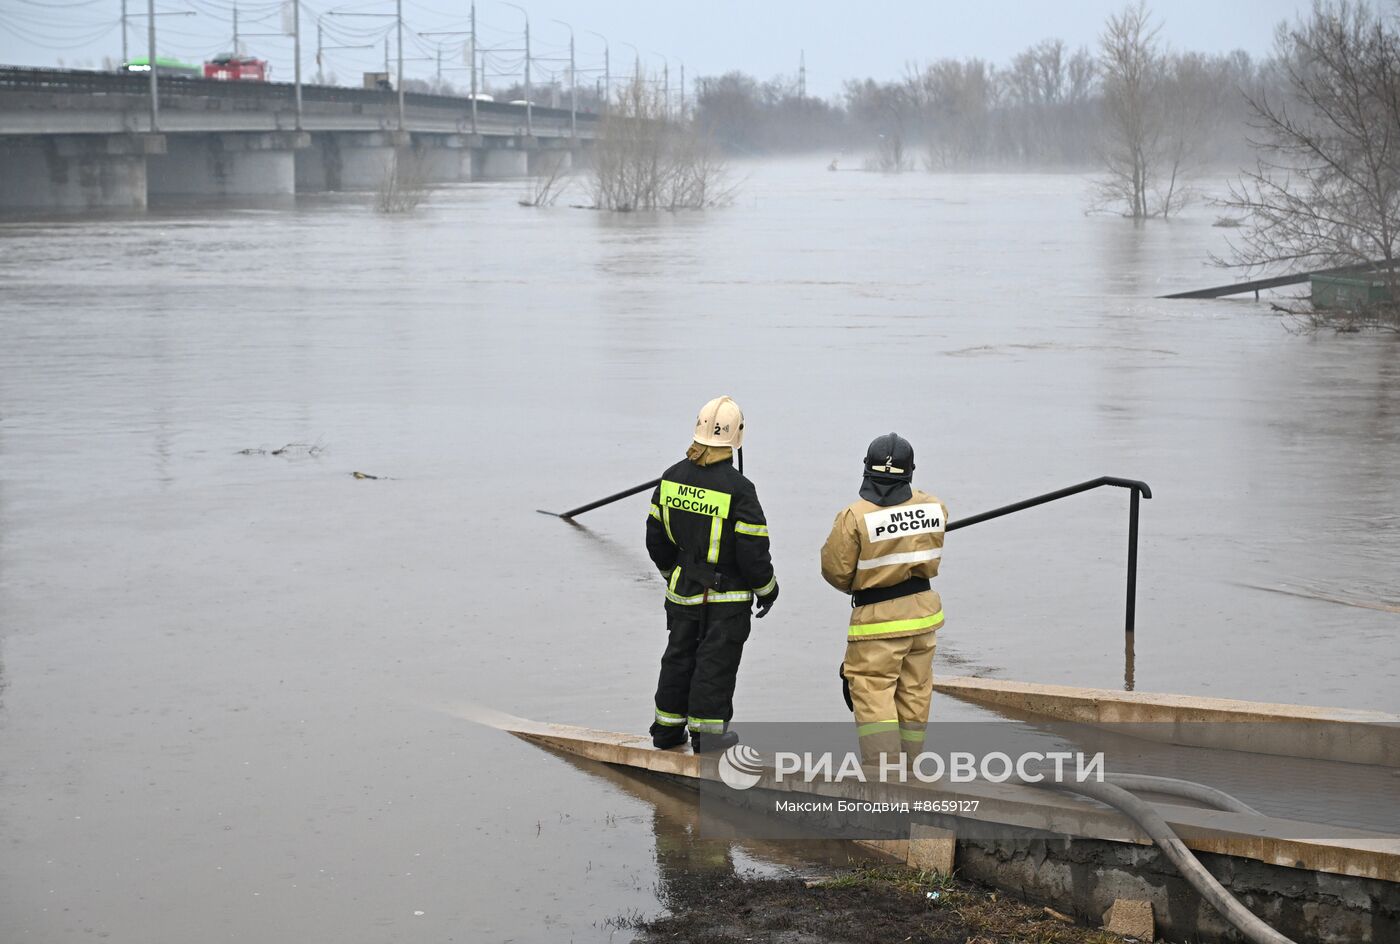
(655, 512)
(876, 727)
(905, 734)
(733, 596)
(693, 498)
(707, 725)
(768, 587)
(757, 530)
(666, 520)
(716, 532)
(665, 717)
(897, 626)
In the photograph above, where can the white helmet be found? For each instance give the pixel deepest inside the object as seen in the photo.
(720, 423)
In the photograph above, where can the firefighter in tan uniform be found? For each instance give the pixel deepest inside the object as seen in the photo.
(883, 549)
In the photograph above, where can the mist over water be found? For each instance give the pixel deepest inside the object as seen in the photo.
(230, 684)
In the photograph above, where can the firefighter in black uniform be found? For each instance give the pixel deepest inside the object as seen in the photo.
(707, 535)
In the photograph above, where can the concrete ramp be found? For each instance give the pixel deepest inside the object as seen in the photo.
(1303, 731)
(1316, 883)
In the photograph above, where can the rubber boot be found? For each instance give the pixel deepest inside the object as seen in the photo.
(702, 743)
(668, 737)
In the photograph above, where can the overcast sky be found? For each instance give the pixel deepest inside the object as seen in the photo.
(763, 37)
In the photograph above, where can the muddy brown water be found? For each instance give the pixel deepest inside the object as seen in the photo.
(230, 684)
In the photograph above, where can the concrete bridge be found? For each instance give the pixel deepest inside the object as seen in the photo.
(78, 140)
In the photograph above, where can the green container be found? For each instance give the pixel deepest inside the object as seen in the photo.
(1348, 291)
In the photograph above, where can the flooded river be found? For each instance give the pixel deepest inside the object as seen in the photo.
(232, 680)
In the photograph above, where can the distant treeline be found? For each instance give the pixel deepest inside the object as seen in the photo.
(1045, 108)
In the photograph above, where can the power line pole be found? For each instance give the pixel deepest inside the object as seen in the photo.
(529, 96)
(398, 14)
(573, 84)
(125, 57)
(607, 71)
(151, 63)
(320, 77)
(802, 75)
(236, 50)
(682, 90)
(296, 53)
(473, 65)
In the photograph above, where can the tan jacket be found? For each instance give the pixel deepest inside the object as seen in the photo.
(879, 546)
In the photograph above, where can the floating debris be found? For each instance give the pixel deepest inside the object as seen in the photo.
(290, 449)
(366, 475)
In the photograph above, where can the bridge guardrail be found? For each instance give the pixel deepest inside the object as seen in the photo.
(20, 78)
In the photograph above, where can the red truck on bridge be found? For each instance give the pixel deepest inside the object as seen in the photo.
(232, 68)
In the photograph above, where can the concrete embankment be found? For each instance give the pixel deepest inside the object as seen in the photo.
(1313, 882)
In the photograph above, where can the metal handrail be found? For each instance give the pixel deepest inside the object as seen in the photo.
(1138, 489)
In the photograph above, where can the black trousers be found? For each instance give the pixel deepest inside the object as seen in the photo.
(698, 668)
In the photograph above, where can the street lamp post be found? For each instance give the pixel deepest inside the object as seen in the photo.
(636, 61)
(529, 98)
(573, 84)
(607, 71)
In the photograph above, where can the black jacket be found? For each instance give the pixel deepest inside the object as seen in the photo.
(707, 535)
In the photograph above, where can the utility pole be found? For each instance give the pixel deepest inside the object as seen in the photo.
(151, 63)
(802, 75)
(125, 57)
(607, 72)
(398, 14)
(573, 84)
(296, 53)
(320, 77)
(529, 97)
(682, 90)
(666, 86)
(473, 65)
(386, 55)
(236, 51)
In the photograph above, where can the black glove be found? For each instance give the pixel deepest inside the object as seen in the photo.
(846, 688)
(766, 603)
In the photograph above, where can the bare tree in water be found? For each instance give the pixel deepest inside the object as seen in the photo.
(404, 184)
(1131, 66)
(643, 161)
(1325, 188)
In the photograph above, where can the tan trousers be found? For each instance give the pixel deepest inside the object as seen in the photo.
(891, 683)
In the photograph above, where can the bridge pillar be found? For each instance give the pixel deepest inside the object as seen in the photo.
(77, 172)
(241, 164)
(501, 163)
(348, 160)
(443, 158)
(550, 162)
